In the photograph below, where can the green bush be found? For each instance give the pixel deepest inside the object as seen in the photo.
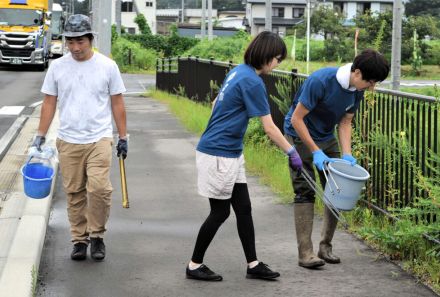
(131, 56)
(167, 46)
(316, 48)
(432, 56)
(222, 49)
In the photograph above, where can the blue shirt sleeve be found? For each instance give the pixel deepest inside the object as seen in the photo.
(255, 100)
(312, 92)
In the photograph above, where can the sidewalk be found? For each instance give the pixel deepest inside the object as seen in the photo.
(149, 244)
(23, 220)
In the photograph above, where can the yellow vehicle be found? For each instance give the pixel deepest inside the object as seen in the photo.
(25, 36)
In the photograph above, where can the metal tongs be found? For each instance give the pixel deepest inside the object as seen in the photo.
(320, 193)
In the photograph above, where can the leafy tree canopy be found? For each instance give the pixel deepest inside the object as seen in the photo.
(325, 20)
(422, 7)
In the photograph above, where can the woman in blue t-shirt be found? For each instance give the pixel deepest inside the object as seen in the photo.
(220, 162)
(328, 98)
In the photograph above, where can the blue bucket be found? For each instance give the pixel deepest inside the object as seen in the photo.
(350, 180)
(37, 179)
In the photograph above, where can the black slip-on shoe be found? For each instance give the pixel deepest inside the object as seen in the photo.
(203, 273)
(97, 249)
(79, 251)
(261, 271)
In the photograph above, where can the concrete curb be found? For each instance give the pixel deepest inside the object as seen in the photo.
(20, 272)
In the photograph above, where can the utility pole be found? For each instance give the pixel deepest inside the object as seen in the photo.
(210, 20)
(268, 19)
(102, 11)
(203, 20)
(183, 10)
(308, 35)
(396, 45)
(118, 16)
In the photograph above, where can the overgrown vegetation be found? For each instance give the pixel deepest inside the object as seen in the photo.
(138, 52)
(131, 57)
(222, 49)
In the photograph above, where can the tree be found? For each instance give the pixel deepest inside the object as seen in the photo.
(370, 24)
(228, 4)
(425, 25)
(142, 24)
(327, 21)
(422, 7)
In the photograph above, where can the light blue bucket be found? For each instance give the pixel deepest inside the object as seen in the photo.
(37, 179)
(345, 184)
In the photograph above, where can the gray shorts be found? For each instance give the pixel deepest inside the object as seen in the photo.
(217, 175)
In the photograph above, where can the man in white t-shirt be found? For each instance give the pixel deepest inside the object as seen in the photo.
(87, 88)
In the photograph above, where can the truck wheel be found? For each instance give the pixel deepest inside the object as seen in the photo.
(41, 67)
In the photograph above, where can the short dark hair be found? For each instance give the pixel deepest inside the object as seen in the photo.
(372, 65)
(264, 48)
(89, 36)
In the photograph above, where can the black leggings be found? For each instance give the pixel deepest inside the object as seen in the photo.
(220, 210)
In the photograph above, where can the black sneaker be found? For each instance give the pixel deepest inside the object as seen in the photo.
(261, 271)
(79, 251)
(97, 249)
(203, 273)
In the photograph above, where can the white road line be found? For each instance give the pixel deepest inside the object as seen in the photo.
(11, 110)
(418, 84)
(142, 86)
(36, 103)
(134, 93)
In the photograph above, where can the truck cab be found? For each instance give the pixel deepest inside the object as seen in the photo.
(25, 36)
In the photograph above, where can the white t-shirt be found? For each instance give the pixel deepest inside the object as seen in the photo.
(83, 90)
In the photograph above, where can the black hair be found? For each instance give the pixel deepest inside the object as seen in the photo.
(372, 65)
(264, 48)
(88, 35)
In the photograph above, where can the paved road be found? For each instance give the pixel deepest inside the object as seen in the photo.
(149, 244)
(20, 88)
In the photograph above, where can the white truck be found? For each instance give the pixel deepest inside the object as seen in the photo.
(57, 19)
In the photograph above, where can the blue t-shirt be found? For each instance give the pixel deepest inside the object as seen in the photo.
(327, 102)
(242, 96)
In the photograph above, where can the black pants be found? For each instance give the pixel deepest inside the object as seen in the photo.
(303, 192)
(220, 210)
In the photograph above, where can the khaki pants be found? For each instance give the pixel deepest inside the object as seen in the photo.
(85, 169)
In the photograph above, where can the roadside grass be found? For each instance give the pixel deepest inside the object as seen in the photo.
(427, 91)
(194, 116)
(400, 242)
(270, 164)
(428, 72)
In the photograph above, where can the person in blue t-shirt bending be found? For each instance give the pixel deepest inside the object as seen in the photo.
(220, 162)
(328, 98)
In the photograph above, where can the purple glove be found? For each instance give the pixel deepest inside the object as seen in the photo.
(295, 161)
(349, 158)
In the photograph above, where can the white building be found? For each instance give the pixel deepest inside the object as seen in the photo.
(288, 13)
(129, 11)
(285, 14)
(166, 17)
(351, 8)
